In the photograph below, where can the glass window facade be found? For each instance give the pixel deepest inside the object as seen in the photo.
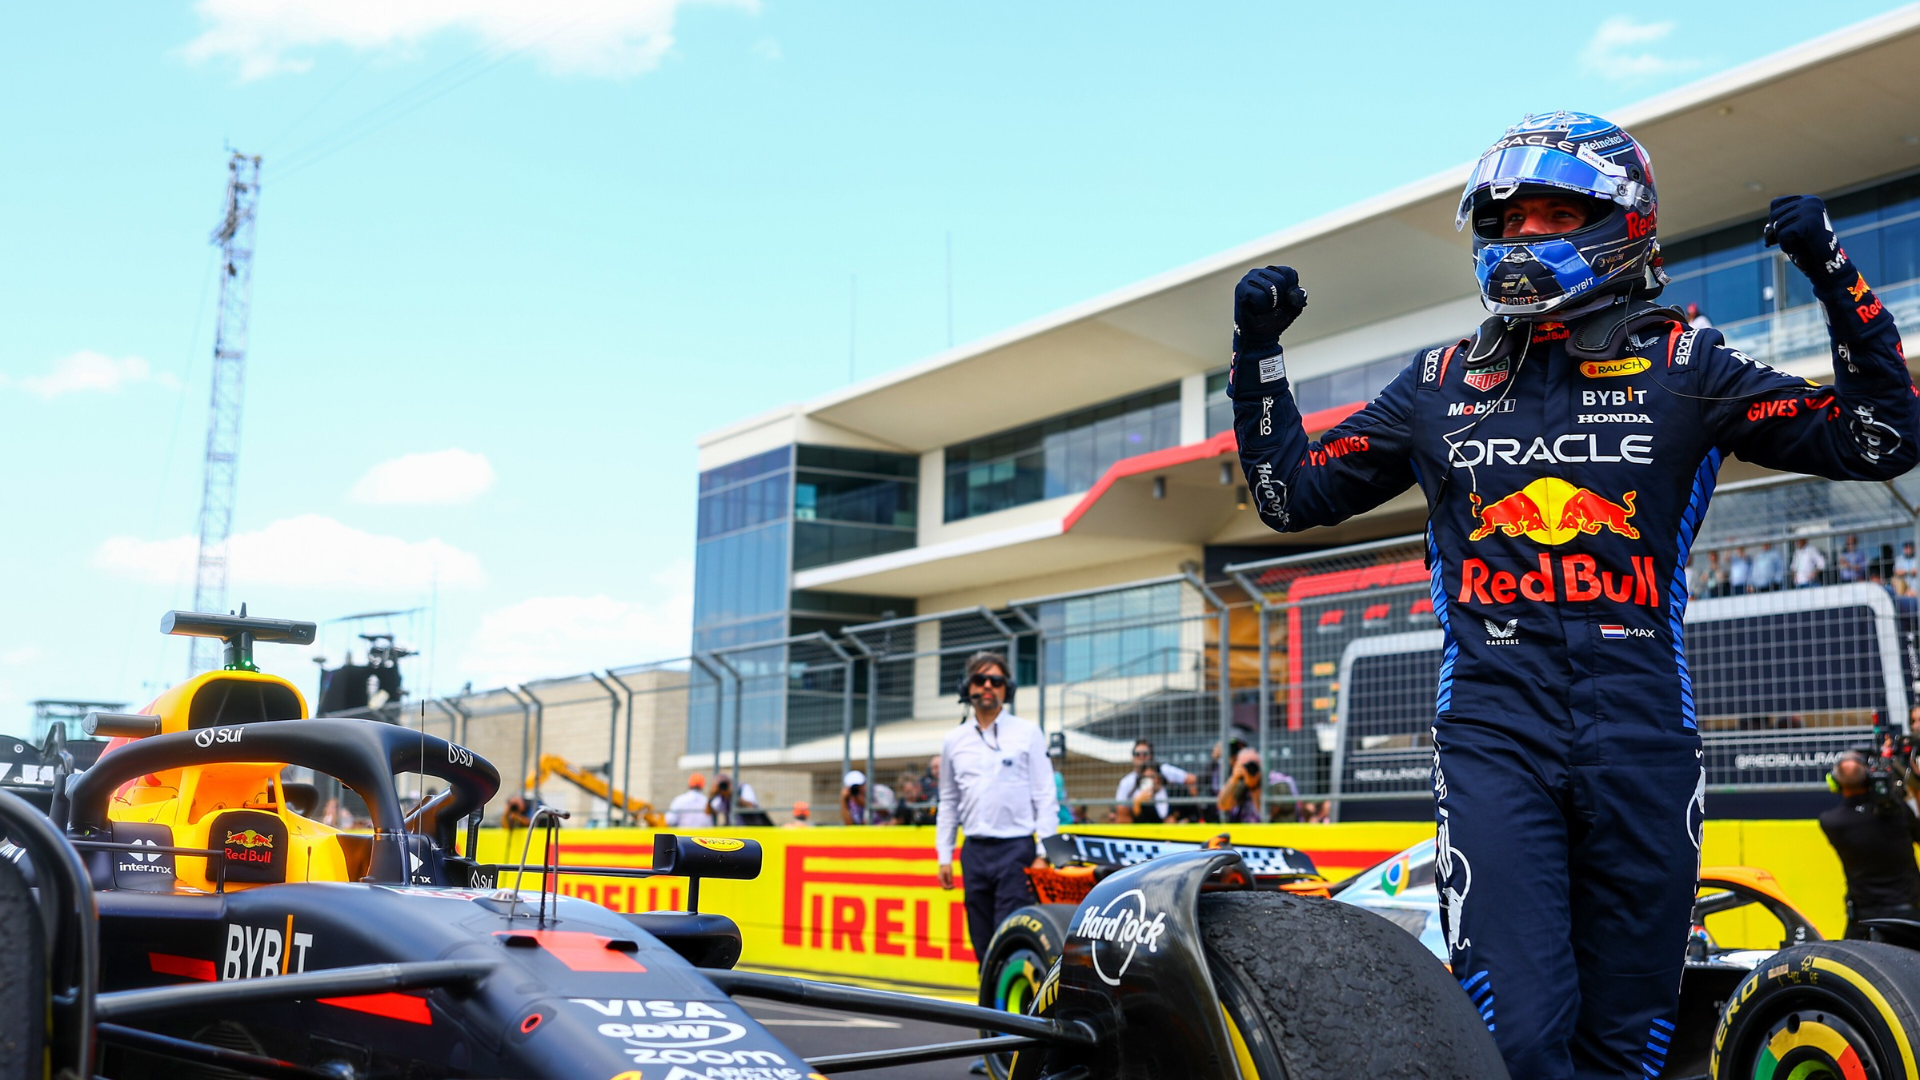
(1734, 278)
(1145, 639)
(1059, 456)
(759, 520)
(849, 504)
(740, 549)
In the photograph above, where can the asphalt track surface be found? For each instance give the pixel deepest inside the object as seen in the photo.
(814, 1032)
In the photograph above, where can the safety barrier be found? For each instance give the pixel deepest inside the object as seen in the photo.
(864, 905)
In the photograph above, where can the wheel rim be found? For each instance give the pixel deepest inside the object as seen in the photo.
(1013, 991)
(1812, 1044)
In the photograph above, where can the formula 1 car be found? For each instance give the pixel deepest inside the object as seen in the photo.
(1804, 1008)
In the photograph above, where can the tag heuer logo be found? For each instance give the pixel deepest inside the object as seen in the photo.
(1487, 378)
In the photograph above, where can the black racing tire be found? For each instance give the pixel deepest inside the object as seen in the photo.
(1804, 1010)
(1320, 990)
(1024, 946)
(23, 991)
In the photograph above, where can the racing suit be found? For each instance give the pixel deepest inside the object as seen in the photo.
(1566, 468)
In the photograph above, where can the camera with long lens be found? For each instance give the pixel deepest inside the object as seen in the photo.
(1889, 761)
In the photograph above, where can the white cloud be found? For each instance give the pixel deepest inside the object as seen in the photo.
(1618, 51)
(550, 636)
(604, 38)
(87, 370)
(309, 551)
(439, 478)
(767, 49)
(26, 654)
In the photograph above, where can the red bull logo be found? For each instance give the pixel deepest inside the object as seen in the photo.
(1574, 579)
(1551, 511)
(249, 839)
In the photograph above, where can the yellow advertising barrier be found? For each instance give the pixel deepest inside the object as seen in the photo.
(864, 905)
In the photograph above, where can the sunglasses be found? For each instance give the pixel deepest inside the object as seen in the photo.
(995, 681)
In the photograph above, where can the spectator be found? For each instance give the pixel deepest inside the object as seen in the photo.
(802, 814)
(1697, 319)
(1149, 792)
(1853, 561)
(1808, 564)
(855, 806)
(916, 800)
(1739, 572)
(1704, 579)
(720, 803)
(1903, 564)
(1288, 809)
(1882, 566)
(1239, 802)
(688, 810)
(1169, 775)
(1769, 570)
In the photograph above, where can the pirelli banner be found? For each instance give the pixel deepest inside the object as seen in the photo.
(864, 905)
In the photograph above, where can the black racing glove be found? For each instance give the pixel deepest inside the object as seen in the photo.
(1265, 303)
(1799, 224)
(1802, 228)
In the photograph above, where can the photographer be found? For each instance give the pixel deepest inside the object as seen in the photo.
(1873, 831)
(1239, 801)
(1168, 775)
(1149, 793)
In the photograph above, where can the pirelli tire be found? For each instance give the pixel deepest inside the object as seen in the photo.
(1824, 1011)
(1024, 946)
(1314, 989)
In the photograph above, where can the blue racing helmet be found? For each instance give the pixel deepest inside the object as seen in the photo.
(1567, 154)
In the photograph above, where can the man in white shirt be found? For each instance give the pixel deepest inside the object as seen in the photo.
(1808, 565)
(996, 785)
(688, 810)
(1142, 760)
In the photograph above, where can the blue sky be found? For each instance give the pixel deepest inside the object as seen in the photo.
(513, 258)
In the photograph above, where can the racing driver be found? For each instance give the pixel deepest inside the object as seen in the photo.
(1567, 451)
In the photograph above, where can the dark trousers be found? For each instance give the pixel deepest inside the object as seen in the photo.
(993, 872)
(1567, 891)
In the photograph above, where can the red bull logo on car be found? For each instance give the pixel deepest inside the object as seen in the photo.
(1551, 511)
(249, 839)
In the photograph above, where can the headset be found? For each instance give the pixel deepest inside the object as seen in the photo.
(977, 660)
(1833, 774)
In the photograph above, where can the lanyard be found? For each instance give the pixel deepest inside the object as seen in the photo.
(982, 732)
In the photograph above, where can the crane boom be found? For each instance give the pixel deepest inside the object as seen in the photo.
(234, 234)
(555, 765)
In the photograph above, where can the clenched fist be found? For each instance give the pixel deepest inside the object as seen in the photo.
(1265, 303)
(1800, 225)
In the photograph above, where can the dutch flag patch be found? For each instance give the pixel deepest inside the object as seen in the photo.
(1612, 632)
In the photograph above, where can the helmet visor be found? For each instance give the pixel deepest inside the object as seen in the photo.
(1502, 172)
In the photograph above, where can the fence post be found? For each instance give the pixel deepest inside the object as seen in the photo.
(719, 693)
(1260, 609)
(626, 763)
(1039, 668)
(539, 733)
(526, 722)
(613, 741)
(739, 704)
(1226, 689)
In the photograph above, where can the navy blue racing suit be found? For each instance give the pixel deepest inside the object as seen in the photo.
(1566, 469)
